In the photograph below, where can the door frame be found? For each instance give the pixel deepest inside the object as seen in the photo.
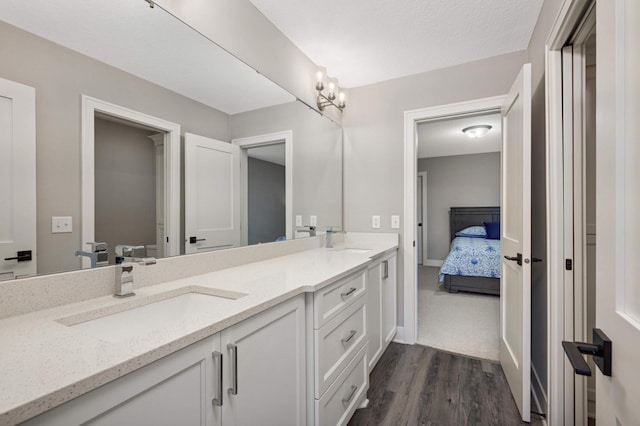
(560, 306)
(285, 137)
(425, 258)
(91, 106)
(408, 333)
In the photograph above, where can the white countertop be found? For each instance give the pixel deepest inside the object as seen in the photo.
(44, 363)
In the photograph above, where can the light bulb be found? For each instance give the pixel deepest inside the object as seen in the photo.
(475, 132)
(319, 76)
(332, 87)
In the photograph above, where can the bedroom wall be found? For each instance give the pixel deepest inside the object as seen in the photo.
(457, 181)
(266, 200)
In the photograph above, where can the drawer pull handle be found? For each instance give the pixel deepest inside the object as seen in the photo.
(234, 368)
(349, 293)
(385, 268)
(348, 398)
(347, 339)
(217, 401)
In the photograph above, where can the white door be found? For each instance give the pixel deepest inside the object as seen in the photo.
(17, 179)
(420, 219)
(617, 208)
(212, 194)
(515, 283)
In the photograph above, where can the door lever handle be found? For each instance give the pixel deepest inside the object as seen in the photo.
(600, 349)
(194, 240)
(22, 256)
(517, 258)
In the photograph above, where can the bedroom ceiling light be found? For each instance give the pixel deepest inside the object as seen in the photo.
(478, 131)
(328, 99)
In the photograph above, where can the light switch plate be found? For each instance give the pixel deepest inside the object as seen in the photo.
(395, 222)
(61, 224)
(375, 222)
(298, 220)
(313, 220)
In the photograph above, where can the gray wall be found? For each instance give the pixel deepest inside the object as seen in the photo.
(266, 187)
(125, 185)
(536, 55)
(317, 157)
(60, 76)
(457, 181)
(374, 135)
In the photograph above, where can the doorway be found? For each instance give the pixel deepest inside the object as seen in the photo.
(459, 284)
(168, 173)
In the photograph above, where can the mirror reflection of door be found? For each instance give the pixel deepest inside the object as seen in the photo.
(266, 193)
(129, 186)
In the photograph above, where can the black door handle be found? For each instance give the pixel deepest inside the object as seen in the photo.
(22, 256)
(193, 240)
(420, 224)
(600, 349)
(517, 258)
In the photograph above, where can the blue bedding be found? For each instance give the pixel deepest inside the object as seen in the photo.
(476, 257)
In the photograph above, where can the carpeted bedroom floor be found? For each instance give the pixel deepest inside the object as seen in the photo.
(463, 323)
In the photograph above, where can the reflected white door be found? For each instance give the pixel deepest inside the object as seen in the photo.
(17, 178)
(212, 194)
(515, 283)
(617, 208)
(420, 218)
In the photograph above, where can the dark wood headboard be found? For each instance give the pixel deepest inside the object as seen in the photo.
(462, 217)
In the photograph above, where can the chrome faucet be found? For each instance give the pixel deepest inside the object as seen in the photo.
(99, 254)
(311, 230)
(124, 269)
(328, 238)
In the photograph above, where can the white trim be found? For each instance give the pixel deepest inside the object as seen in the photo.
(425, 233)
(433, 262)
(171, 178)
(566, 21)
(411, 119)
(264, 140)
(399, 337)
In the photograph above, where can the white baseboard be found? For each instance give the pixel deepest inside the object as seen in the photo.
(434, 262)
(538, 392)
(399, 337)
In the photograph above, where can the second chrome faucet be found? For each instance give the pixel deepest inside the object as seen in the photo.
(124, 270)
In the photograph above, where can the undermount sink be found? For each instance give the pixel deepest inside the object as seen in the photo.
(355, 250)
(138, 318)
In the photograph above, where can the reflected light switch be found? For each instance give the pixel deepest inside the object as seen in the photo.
(61, 224)
(313, 221)
(298, 220)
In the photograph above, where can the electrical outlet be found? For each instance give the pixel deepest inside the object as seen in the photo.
(395, 221)
(375, 222)
(61, 224)
(298, 220)
(313, 220)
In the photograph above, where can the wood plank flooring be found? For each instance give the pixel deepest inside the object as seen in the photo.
(418, 385)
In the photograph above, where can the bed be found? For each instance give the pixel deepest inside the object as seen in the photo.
(483, 256)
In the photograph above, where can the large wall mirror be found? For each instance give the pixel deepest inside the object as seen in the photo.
(150, 135)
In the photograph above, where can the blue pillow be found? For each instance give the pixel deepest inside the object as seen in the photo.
(493, 230)
(472, 232)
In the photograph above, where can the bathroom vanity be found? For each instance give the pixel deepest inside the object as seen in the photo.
(279, 340)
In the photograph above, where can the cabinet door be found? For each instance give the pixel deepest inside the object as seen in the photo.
(175, 390)
(264, 371)
(389, 299)
(374, 315)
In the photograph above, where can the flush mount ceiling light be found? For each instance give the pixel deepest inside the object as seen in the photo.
(478, 131)
(328, 99)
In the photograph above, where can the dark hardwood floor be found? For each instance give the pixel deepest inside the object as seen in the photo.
(418, 385)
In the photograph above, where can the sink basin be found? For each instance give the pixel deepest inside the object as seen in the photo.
(136, 320)
(356, 250)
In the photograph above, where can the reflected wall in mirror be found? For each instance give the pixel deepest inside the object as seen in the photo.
(144, 60)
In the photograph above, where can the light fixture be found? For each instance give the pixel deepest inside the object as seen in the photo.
(478, 131)
(328, 99)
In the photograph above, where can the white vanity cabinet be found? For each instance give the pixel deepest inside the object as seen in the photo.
(250, 373)
(340, 338)
(381, 305)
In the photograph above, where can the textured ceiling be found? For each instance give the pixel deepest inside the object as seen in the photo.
(366, 41)
(148, 43)
(443, 138)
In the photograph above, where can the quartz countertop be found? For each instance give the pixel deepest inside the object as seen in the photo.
(44, 363)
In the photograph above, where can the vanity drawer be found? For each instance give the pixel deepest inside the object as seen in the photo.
(341, 400)
(330, 300)
(337, 343)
